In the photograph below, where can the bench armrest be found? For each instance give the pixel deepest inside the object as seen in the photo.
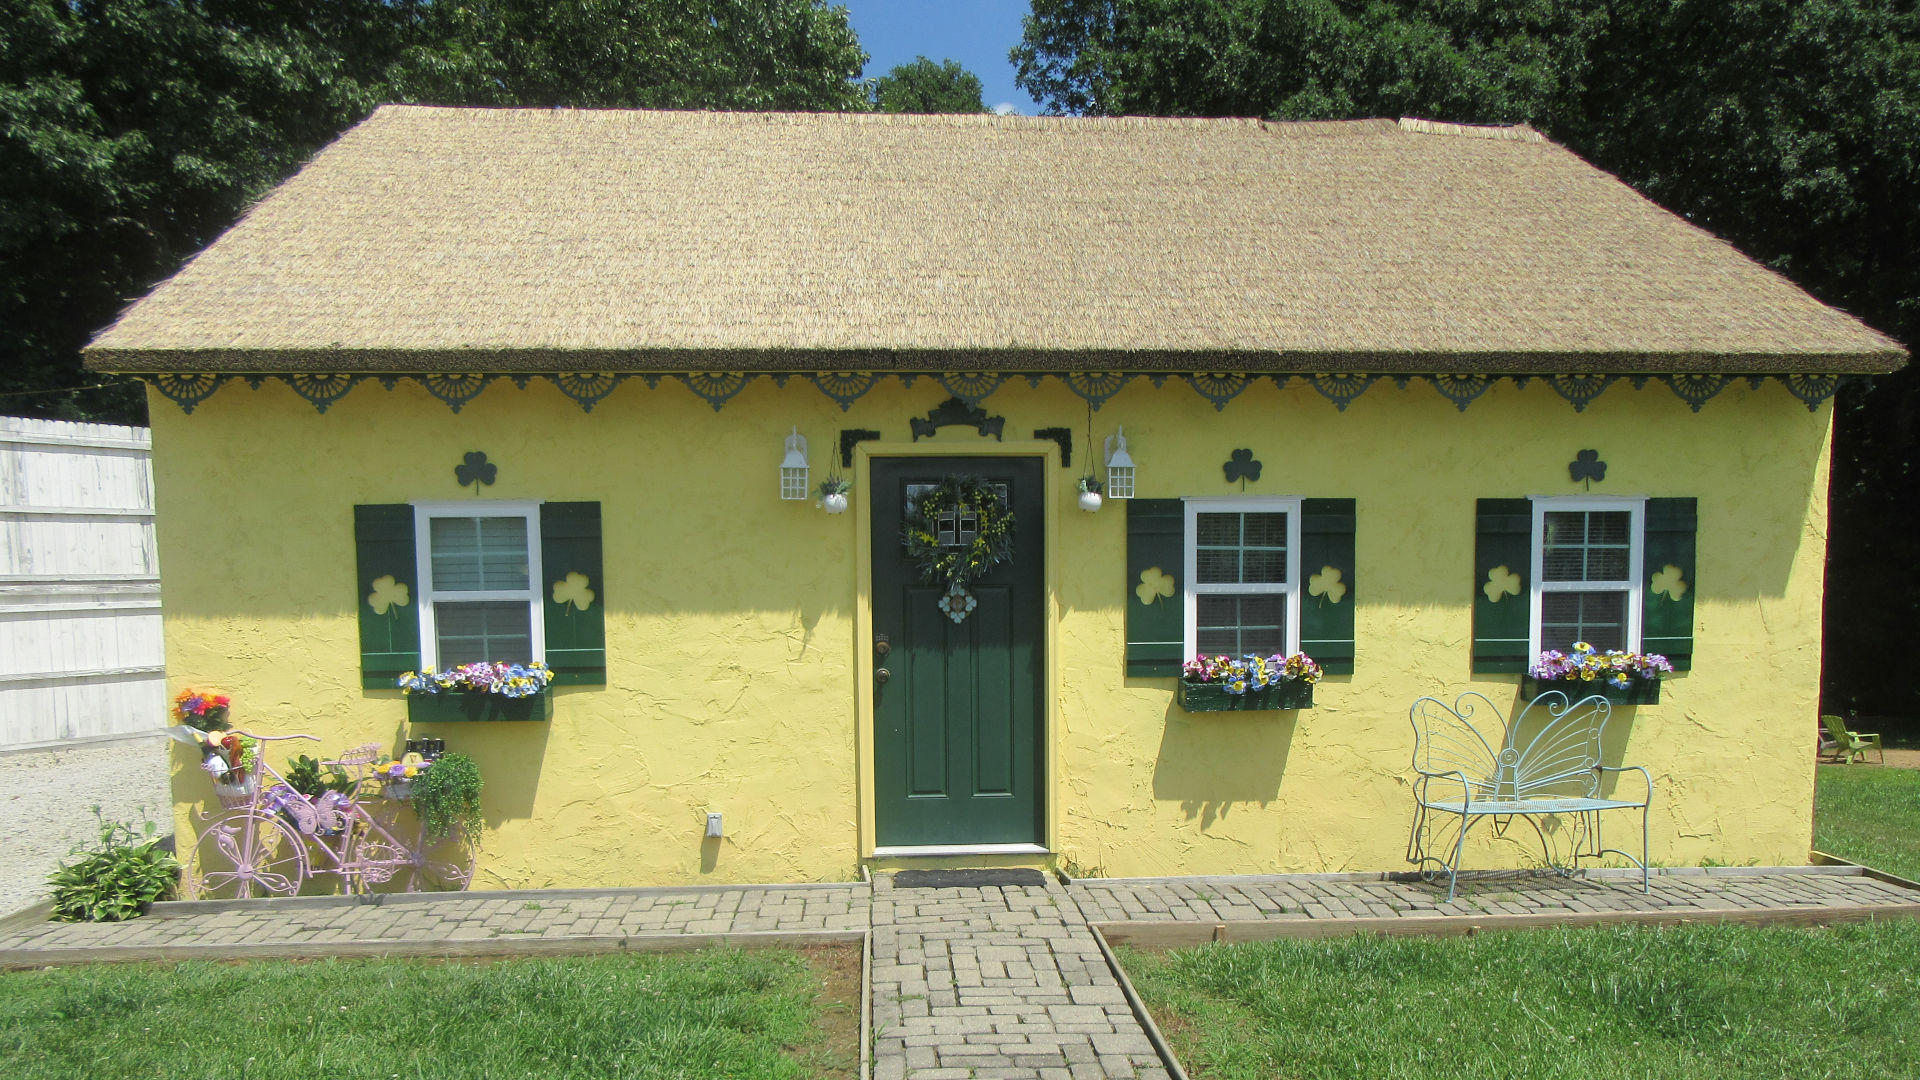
(1644, 775)
(1466, 787)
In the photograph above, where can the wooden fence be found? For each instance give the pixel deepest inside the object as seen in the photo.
(80, 646)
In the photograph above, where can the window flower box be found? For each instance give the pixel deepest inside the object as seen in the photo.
(1213, 697)
(465, 706)
(1636, 692)
(1623, 678)
(480, 691)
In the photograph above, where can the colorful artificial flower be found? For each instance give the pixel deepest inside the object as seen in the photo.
(482, 677)
(1251, 673)
(205, 712)
(1587, 664)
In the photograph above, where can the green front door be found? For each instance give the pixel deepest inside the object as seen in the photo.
(957, 734)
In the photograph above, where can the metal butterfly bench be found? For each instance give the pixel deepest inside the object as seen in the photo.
(1472, 766)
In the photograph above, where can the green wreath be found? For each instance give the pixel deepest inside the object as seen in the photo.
(960, 565)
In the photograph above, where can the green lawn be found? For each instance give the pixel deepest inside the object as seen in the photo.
(1703, 1003)
(1870, 815)
(714, 1013)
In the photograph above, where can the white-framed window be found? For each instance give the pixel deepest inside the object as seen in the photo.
(1243, 575)
(480, 575)
(1587, 554)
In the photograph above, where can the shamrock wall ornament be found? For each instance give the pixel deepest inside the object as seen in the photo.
(1586, 465)
(476, 470)
(1242, 467)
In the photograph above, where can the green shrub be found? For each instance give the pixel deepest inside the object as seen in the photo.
(448, 794)
(116, 881)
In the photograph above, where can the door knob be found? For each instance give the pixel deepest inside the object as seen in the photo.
(881, 675)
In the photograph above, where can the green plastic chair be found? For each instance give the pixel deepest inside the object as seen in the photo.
(1846, 745)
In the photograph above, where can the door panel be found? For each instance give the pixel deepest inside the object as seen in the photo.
(958, 733)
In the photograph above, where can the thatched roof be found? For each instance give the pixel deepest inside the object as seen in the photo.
(430, 239)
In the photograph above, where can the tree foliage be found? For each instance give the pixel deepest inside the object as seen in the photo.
(926, 87)
(1789, 127)
(133, 131)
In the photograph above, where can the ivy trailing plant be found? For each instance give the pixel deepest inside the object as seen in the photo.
(117, 880)
(960, 564)
(448, 794)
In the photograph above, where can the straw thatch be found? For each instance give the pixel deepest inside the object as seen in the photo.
(433, 239)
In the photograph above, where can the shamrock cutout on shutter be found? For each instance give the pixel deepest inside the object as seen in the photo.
(476, 470)
(573, 590)
(1670, 583)
(1586, 465)
(388, 593)
(1154, 584)
(1501, 582)
(1327, 585)
(1241, 467)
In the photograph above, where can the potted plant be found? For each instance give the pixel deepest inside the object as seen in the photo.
(495, 690)
(447, 795)
(1090, 494)
(1223, 684)
(1623, 678)
(397, 778)
(833, 494)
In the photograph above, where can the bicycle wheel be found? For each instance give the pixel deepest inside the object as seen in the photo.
(245, 854)
(397, 857)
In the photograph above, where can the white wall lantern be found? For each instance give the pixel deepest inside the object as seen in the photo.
(1119, 466)
(793, 467)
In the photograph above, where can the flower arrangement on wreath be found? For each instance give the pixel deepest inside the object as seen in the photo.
(482, 677)
(1251, 673)
(959, 565)
(1587, 664)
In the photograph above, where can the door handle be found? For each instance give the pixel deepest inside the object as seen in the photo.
(881, 675)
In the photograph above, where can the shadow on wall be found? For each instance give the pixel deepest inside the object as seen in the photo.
(1210, 761)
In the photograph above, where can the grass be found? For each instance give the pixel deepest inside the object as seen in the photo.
(1706, 1003)
(713, 1013)
(1869, 815)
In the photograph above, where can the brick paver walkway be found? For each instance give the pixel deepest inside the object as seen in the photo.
(1004, 981)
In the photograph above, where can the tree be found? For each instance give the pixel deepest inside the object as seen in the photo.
(926, 87)
(132, 132)
(1789, 127)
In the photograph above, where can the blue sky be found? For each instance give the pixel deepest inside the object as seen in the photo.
(977, 33)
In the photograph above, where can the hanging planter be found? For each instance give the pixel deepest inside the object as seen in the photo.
(833, 494)
(957, 532)
(1090, 494)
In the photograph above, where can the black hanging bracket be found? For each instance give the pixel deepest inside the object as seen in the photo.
(849, 437)
(1063, 436)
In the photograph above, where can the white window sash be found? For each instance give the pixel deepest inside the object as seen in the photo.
(1240, 504)
(1635, 507)
(525, 509)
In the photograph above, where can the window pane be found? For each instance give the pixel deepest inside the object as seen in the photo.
(1217, 566)
(1597, 618)
(1238, 625)
(1581, 545)
(1217, 530)
(489, 630)
(1236, 549)
(474, 553)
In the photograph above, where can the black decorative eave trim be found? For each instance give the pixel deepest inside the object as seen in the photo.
(716, 388)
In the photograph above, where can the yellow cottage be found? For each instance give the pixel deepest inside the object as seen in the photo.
(564, 386)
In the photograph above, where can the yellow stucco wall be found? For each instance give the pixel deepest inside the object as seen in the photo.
(733, 617)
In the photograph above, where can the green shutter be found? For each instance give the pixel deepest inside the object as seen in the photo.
(1666, 623)
(1326, 562)
(388, 593)
(1502, 560)
(1156, 610)
(575, 606)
